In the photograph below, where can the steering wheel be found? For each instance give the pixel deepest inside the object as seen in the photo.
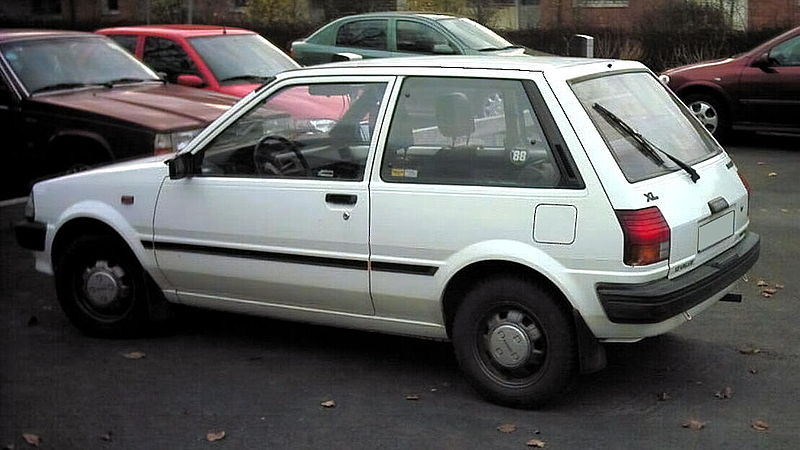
(270, 157)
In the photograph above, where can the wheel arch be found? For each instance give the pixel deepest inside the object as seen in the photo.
(706, 88)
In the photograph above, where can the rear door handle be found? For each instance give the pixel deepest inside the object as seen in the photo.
(341, 199)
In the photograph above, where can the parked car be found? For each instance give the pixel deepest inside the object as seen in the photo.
(229, 60)
(590, 208)
(70, 100)
(756, 91)
(390, 34)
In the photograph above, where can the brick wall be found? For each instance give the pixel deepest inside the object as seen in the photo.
(773, 14)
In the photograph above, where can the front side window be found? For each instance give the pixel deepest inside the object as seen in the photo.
(63, 63)
(417, 37)
(481, 132)
(166, 55)
(320, 131)
(786, 53)
(643, 103)
(363, 34)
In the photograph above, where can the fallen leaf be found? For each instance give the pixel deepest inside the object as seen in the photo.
(772, 174)
(784, 210)
(507, 428)
(434, 389)
(766, 294)
(753, 371)
(762, 283)
(33, 321)
(724, 394)
(412, 397)
(779, 286)
(694, 424)
(535, 443)
(761, 163)
(662, 397)
(769, 291)
(134, 355)
(746, 278)
(760, 425)
(749, 350)
(212, 436)
(106, 437)
(32, 439)
(328, 404)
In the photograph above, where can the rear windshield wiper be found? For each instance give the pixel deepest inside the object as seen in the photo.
(645, 146)
(507, 47)
(260, 78)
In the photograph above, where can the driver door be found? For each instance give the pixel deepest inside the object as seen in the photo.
(279, 213)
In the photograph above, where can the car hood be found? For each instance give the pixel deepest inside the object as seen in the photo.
(711, 65)
(238, 90)
(156, 106)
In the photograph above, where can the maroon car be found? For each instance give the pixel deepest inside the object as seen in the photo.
(756, 91)
(70, 100)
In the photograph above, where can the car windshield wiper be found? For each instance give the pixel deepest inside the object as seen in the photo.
(59, 86)
(111, 83)
(260, 78)
(490, 49)
(645, 146)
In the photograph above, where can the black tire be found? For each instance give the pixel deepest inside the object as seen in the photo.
(711, 112)
(116, 275)
(494, 307)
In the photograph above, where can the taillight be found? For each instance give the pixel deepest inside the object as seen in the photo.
(646, 236)
(747, 188)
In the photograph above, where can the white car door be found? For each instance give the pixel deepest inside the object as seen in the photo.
(279, 211)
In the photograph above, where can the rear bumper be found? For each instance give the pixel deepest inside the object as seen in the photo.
(656, 301)
(31, 235)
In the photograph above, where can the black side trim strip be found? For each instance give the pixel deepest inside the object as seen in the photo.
(292, 258)
(412, 269)
(256, 254)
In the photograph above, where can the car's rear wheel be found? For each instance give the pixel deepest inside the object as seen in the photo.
(710, 112)
(514, 342)
(102, 288)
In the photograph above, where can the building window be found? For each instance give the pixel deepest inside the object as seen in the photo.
(601, 3)
(46, 6)
(110, 6)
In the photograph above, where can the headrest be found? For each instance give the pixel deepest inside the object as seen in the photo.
(454, 115)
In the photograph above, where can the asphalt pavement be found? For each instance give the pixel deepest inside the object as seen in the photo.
(727, 379)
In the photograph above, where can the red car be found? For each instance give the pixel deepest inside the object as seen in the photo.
(229, 60)
(756, 91)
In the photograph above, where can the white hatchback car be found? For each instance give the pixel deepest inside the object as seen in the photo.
(586, 205)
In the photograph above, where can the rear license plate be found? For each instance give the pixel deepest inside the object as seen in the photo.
(714, 231)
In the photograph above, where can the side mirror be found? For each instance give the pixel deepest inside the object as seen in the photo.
(443, 49)
(764, 62)
(190, 80)
(339, 57)
(181, 166)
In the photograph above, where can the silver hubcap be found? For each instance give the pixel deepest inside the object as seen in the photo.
(707, 115)
(511, 339)
(103, 284)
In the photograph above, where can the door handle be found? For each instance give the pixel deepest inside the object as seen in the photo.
(341, 199)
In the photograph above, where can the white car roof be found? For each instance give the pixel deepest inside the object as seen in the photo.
(569, 67)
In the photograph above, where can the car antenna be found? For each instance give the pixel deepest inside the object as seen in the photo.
(224, 30)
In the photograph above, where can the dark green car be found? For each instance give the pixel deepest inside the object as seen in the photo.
(386, 35)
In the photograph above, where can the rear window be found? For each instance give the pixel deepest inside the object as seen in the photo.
(643, 103)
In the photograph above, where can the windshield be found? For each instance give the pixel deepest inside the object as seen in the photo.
(475, 35)
(241, 58)
(72, 62)
(639, 99)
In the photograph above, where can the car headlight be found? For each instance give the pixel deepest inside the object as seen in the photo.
(173, 142)
(664, 79)
(314, 125)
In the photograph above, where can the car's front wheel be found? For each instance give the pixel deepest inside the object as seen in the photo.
(514, 342)
(102, 288)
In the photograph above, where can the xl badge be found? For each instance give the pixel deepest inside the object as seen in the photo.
(650, 197)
